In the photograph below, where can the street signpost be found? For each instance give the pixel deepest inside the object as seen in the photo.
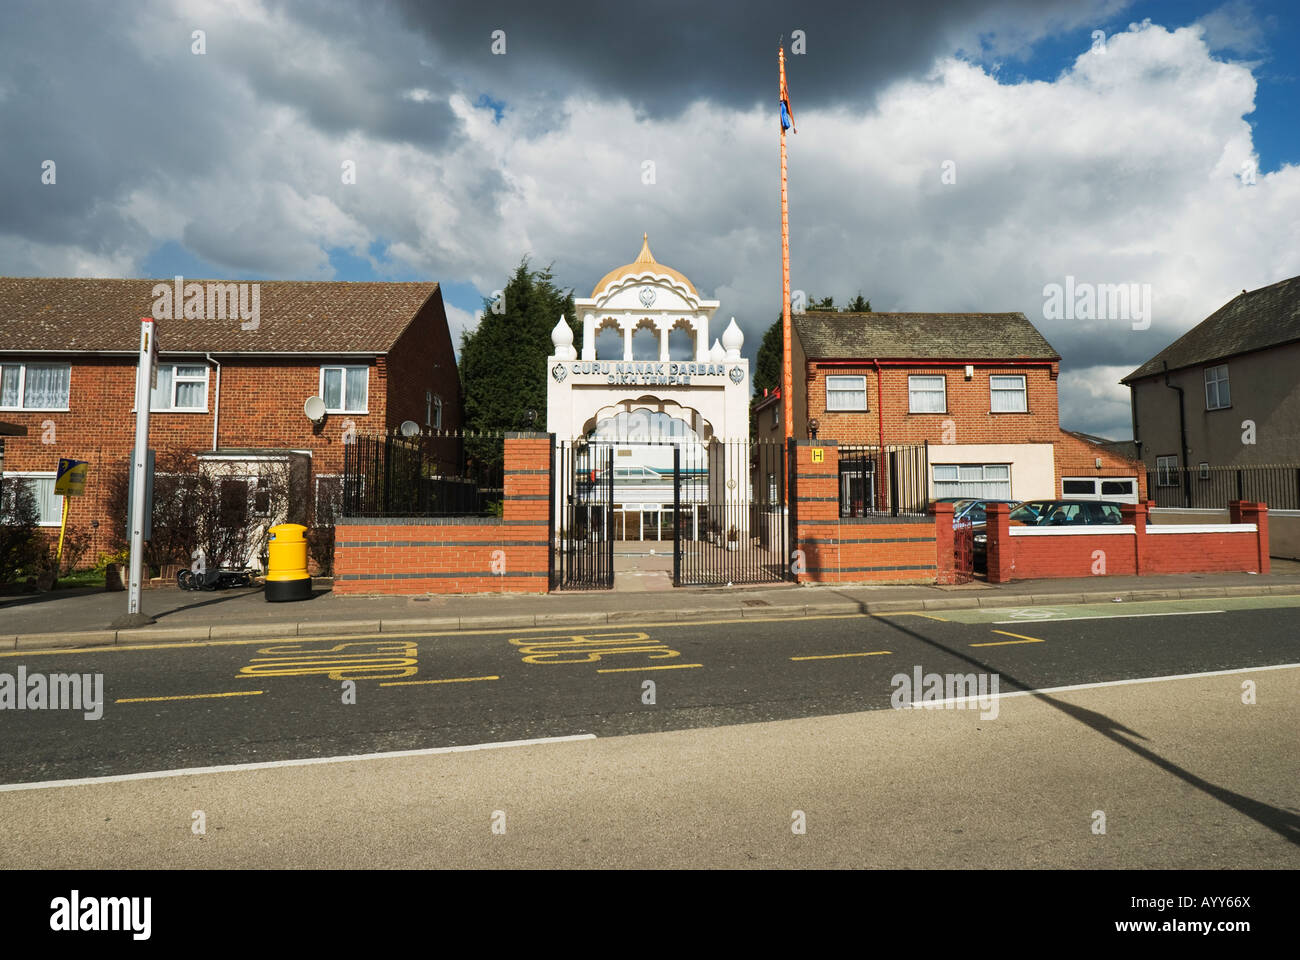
(144, 376)
(71, 482)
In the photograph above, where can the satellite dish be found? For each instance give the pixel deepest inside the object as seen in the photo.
(409, 428)
(314, 409)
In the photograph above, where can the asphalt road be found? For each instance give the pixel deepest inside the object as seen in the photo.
(197, 705)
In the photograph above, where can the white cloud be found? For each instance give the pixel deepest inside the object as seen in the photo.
(1125, 168)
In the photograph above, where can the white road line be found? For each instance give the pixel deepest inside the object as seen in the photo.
(274, 764)
(931, 704)
(1110, 616)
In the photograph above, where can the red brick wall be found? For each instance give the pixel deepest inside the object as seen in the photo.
(1035, 557)
(423, 359)
(435, 555)
(853, 550)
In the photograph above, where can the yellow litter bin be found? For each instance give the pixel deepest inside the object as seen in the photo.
(286, 567)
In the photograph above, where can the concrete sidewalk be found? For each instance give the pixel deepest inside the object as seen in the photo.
(81, 617)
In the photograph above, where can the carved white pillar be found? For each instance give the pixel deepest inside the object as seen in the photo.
(627, 339)
(665, 328)
(589, 337)
(701, 339)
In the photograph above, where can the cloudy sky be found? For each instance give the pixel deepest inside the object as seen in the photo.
(958, 155)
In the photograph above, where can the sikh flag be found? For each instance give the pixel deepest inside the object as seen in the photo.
(787, 118)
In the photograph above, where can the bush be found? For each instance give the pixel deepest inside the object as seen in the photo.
(20, 536)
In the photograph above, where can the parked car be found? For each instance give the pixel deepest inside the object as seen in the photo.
(975, 511)
(1049, 513)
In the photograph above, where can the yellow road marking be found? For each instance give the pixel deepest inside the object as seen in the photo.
(1021, 638)
(671, 666)
(908, 613)
(416, 683)
(836, 656)
(191, 696)
(499, 631)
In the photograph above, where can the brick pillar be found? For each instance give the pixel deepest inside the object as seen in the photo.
(1248, 511)
(817, 513)
(945, 561)
(527, 477)
(1000, 550)
(1136, 515)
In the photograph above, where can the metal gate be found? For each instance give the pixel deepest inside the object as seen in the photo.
(730, 523)
(963, 551)
(582, 542)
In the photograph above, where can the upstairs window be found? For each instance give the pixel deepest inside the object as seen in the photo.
(927, 394)
(180, 386)
(34, 386)
(432, 410)
(1217, 394)
(1007, 394)
(846, 393)
(345, 389)
(1167, 471)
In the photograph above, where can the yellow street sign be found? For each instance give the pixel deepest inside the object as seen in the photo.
(818, 455)
(71, 480)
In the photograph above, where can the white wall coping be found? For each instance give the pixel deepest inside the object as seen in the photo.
(1203, 528)
(1081, 530)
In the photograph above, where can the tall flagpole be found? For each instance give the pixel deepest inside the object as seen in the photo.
(787, 380)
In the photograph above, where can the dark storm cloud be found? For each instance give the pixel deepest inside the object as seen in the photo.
(662, 56)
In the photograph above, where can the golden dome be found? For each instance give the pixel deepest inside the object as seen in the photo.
(644, 262)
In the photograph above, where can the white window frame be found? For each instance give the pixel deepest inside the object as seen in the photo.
(983, 481)
(1221, 386)
(1097, 491)
(343, 386)
(172, 408)
(432, 410)
(40, 475)
(943, 380)
(22, 366)
(1203, 470)
(776, 415)
(1167, 470)
(1023, 391)
(861, 378)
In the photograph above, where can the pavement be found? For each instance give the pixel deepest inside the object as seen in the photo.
(79, 618)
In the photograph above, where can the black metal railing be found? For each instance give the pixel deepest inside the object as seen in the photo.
(582, 516)
(1277, 485)
(430, 474)
(730, 525)
(889, 484)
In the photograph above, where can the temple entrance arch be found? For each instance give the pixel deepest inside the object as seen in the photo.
(658, 448)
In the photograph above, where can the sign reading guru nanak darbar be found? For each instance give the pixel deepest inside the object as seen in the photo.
(650, 372)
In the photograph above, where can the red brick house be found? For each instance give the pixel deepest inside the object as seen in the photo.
(378, 354)
(975, 391)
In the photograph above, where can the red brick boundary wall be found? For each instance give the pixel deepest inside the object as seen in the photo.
(458, 554)
(1132, 547)
(856, 549)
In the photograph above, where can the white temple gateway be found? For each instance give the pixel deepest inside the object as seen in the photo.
(708, 391)
(645, 407)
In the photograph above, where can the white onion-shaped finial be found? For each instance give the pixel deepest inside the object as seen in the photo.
(733, 338)
(717, 354)
(562, 338)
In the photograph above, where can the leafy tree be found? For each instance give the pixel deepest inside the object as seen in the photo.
(20, 540)
(503, 359)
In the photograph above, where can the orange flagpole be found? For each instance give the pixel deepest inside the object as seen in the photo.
(787, 379)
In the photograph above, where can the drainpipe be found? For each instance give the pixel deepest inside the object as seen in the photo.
(1182, 437)
(880, 413)
(216, 400)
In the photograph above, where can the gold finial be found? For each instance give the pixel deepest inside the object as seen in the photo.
(645, 256)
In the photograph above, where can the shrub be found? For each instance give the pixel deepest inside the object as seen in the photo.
(20, 536)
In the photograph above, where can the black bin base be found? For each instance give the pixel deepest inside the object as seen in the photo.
(277, 591)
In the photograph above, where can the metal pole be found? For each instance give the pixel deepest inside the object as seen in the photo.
(143, 390)
(787, 378)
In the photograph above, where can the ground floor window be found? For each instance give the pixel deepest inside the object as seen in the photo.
(49, 505)
(1167, 471)
(1121, 489)
(973, 481)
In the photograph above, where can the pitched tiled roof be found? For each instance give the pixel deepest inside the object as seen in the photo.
(1262, 318)
(929, 336)
(56, 313)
